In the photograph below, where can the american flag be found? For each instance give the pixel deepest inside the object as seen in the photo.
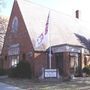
(42, 36)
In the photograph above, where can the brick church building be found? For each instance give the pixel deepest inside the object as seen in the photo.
(34, 32)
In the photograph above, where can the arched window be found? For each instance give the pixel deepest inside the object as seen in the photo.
(15, 24)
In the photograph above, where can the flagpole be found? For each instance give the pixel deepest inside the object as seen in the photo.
(40, 38)
(50, 54)
(50, 63)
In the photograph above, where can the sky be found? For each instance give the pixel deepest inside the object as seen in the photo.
(69, 7)
(64, 6)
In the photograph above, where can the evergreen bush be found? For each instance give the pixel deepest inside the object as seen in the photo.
(22, 70)
(2, 72)
(86, 69)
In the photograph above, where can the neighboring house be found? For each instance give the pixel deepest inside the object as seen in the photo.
(34, 31)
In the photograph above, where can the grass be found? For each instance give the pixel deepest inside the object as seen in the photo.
(26, 84)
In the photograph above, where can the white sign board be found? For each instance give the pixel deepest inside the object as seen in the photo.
(50, 73)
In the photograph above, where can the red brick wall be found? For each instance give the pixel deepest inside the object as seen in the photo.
(40, 61)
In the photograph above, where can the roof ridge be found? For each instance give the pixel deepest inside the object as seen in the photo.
(28, 1)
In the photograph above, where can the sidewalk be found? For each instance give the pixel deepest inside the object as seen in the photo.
(4, 86)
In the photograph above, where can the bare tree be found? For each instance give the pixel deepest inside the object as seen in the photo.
(83, 41)
(3, 28)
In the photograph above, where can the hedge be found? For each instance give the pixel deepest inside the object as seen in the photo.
(22, 70)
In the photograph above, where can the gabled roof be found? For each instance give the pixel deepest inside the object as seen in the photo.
(61, 27)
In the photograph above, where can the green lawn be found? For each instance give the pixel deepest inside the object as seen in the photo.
(25, 84)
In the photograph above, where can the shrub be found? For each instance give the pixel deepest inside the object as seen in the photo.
(2, 72)
(86, 69)
(22, 70)
(12, 72)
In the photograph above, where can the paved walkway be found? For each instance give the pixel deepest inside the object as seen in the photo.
(4, 86)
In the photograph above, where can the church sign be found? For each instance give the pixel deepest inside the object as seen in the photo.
(50, 73)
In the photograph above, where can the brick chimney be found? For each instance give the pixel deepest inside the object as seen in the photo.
(77, 14)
